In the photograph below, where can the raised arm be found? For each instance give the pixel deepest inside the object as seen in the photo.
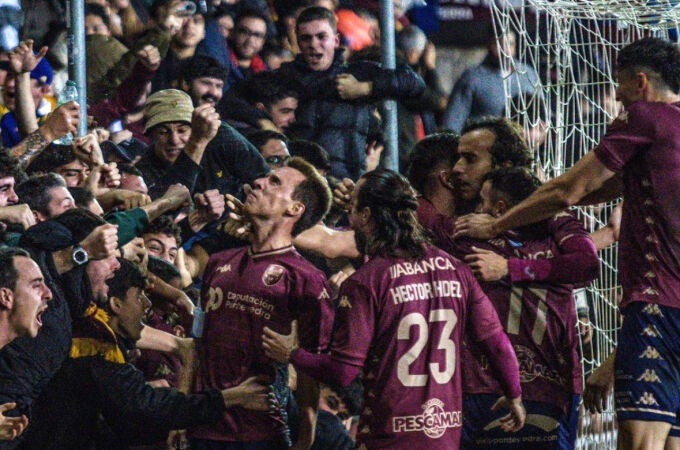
(587, 176)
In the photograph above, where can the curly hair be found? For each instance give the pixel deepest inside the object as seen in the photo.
(165, 225)
(509, 146)
(9, 165)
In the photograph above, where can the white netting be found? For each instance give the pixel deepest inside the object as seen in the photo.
(572, 45)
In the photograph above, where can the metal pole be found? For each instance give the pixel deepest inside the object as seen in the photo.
(76, 58)
(391, 155)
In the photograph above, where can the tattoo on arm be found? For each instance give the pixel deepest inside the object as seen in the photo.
(29, 148)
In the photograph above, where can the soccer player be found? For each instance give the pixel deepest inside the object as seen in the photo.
(528, 277)
(642, 147)
(401, 318)
(265, 284)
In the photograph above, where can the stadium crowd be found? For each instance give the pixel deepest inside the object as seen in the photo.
(222, 262)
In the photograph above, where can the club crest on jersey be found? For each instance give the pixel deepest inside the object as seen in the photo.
(433, 421)
(272, 275)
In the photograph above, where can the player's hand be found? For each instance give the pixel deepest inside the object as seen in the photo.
(487, 265)
(342, 194)
(336, 280)
(236, 224)
(279, 346)
(250, 394)
(476, 226)
(20, 214)
(599, 386)
(349, 88)
(514, 420)
(11, 427)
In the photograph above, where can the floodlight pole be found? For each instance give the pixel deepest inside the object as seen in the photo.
(391, 152)
(76, 57)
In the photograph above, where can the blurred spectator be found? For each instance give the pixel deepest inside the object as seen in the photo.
(417, 116)
(272, 146)
(182, 44)
(203, 78)
(266, 101)
(245, 43)
(480, 90)
(336, 100)
(40, 79)
(274, 55)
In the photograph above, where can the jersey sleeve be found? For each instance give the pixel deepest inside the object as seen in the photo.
(632, 131)
(355, 323)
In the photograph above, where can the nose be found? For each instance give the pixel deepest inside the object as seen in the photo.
(174, 138)
(458, 169)
(47, 293)
(12, 198)
(259, 183)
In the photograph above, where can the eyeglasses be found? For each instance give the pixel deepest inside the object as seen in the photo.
(244, 31)
(277, 160)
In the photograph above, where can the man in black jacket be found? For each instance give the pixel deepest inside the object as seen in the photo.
(97, 379)
(335, 106)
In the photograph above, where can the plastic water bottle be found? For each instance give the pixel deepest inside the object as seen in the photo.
(198, 323)
(68, 94)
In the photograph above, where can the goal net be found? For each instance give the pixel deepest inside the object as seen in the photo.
(572, 45)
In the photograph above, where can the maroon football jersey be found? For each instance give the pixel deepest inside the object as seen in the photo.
(643, 144)
(403, 320)
(539, 317)
(242, 293)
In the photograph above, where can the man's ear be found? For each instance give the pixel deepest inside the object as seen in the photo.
(501, 207)
(365, 215)
(115, 304)
(39, 217)
(184, 85)
(260, 106)
(507, 164)
(445, 178)
(297, 209)
(6, 298)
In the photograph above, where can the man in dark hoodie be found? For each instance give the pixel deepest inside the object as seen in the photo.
(336, 99)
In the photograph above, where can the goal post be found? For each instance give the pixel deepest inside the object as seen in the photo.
(572, 45)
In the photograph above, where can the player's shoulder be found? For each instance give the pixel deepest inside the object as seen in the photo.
(652, 113)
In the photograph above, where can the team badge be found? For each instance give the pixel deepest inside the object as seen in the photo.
(272, 275)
